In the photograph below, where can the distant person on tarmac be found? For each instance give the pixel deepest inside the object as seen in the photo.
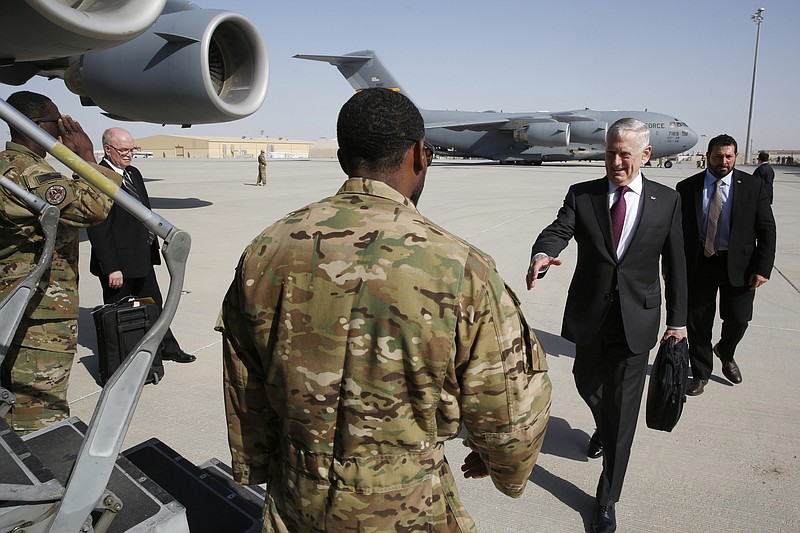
(262, 169)
(765, 172)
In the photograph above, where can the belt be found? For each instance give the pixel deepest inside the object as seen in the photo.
(719, 253)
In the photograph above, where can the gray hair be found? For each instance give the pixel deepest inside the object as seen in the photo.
(630, 125)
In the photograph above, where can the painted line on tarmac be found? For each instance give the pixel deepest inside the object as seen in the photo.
(787, 279)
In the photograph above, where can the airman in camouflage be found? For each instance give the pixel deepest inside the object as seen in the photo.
(37, 365)
(358, 337)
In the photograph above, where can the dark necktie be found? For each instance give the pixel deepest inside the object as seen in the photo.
(714, 214)
(127, 183)
(618, 214)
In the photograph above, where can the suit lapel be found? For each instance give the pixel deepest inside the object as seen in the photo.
(739, 200)
(602, 214)
(647, 207)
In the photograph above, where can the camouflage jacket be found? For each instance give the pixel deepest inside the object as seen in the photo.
(21, 238)
(357, 337)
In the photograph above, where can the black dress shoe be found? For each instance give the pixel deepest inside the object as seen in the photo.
(731, 371)
(696, 387)
(180, 357)
(605, 519)
(595, 449)
(729, 368)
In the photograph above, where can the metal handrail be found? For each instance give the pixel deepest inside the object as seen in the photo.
(13, 306)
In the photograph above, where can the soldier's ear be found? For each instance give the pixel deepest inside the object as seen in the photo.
(343, 161)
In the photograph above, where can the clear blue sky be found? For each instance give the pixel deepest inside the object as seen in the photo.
(693, 60)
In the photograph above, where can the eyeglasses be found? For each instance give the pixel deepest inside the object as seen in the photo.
(41, 120)
(429, 149)
(121, 151)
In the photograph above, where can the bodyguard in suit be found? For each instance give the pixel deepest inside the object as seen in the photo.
(729, 236)
(628, 231)
(123, 250)
(765, 172)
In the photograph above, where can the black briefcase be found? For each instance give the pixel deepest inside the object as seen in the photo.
(120, 326)
(669, 379)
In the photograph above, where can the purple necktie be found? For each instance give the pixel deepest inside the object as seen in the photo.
(618, 214)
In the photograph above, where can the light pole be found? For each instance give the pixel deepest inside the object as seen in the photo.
(758, 17)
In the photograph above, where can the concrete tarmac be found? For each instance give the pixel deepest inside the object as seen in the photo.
(730, 465)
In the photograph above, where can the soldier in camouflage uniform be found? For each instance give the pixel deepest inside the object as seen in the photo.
(358, 337)
(37, 365)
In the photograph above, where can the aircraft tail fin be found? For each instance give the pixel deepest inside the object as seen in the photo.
(362, 69)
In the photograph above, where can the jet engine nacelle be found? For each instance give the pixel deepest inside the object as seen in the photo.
(39, 30)
(544, 134)
(195, 66)
(588, 132)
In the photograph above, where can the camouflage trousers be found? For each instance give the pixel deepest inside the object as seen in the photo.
(36, 369)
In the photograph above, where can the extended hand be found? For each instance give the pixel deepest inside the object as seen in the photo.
(538, 263)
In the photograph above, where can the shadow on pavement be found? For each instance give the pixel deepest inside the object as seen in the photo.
(178, 203)
(555, 345)
(567, 493)
(562, 440)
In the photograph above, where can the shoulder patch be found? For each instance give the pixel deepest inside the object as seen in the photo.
(55, 194)
(44, 178)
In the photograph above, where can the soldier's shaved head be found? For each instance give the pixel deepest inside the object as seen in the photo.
(376, 127)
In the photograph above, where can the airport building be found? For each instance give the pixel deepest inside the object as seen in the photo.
(160, 146)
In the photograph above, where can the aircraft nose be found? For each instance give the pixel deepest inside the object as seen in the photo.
(691, 138)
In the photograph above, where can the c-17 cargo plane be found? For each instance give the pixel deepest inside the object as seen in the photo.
(529, 138)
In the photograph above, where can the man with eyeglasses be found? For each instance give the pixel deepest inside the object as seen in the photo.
(123, 250)
(358, 337)
(37, 366)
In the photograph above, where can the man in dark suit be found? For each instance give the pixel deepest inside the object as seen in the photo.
(765, 172)
(729, 236)
(626, 226)
(123, 250)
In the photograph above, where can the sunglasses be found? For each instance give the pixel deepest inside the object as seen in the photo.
(429, 150)
(41, 120)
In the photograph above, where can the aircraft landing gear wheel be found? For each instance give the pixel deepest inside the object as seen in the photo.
(667, 164)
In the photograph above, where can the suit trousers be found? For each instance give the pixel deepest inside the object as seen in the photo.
(610, 379)
(142, 288)
(735, 310)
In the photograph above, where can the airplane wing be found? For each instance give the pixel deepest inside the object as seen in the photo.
(472, 125)
(497, 122)
(571, 116)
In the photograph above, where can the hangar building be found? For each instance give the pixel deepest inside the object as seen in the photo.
(221, 147)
